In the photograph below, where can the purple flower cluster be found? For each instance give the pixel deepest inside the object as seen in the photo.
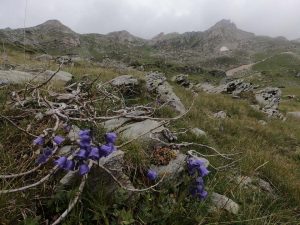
(196, 167)
(47, 152)
(87, 151)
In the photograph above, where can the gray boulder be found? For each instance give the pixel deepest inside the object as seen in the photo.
(198, 132)
(124, 80)
(60, 76)
(221, 202)
(295, 115)
(44, 58)
(220, 115)
(156, 82)
(141, 129)
(173, 169)
(269, 99)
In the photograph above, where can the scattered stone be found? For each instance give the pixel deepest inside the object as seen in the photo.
(182, 79)
(156, 82)
(65, 60)
(262, 122)
(223, 202)
(169, 135)
(220, 115)
(298, 74)
(254, 183)
(65, 150)
(73, 134)
(295, 115)
(198, 132)
(39, 116)
(44, 58)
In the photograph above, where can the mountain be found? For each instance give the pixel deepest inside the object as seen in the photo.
(222, 45)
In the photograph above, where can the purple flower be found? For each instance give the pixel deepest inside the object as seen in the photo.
(84, 132)
(41, 159)
(60, 162)
(83, 169)
(94, 154)
(203, 171)
(69, 165)
(111, 137)
(44, 157)
(39, 140)
(82, 154)
(106, 150)
(151, 175)
(85, 138)
(193, 164)
(58, 139)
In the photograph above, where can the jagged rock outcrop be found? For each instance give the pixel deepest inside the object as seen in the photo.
(235, 87)
(269, 99)
(182, 80)
(156, 83)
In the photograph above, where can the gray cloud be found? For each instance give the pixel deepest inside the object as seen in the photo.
(146, 18)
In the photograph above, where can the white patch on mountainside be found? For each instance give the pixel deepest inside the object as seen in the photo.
(224, 49)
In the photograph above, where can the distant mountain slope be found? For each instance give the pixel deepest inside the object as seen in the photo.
(223, 45)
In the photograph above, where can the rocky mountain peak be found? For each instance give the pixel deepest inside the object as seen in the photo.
(225, 24)
(54, 25)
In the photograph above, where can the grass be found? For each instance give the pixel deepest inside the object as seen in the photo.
(270, 152)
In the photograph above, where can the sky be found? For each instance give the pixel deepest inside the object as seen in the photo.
(147, 18)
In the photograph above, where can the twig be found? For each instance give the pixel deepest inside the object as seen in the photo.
(130, 189)
(27, 172)
(75, 199)
(15, 125)
(53, 170)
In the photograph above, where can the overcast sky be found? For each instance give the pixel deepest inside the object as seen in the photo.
(146, 18)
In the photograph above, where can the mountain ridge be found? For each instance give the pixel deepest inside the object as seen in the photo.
(222, 45)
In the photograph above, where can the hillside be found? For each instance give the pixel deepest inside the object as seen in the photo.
(223, 45)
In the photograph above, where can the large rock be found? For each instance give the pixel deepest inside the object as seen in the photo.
(127, 84)
(269, 99)
(295, 115)
(44, 58)
(18, 77)
(157, 83)
(173, 169)
(235, 87)
(60, 76)
(198, 132)
(14, 76)
(124, 80)
(222, 202)
(141, 129)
